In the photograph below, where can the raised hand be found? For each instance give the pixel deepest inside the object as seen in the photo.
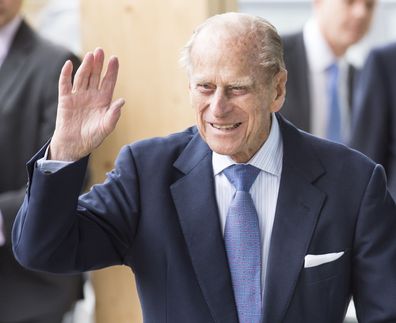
(86, 114)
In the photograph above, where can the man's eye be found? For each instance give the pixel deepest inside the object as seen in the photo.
(205, 87)
(238, 90)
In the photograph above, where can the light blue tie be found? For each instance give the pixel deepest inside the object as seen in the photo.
(334, 118)
(242, 241)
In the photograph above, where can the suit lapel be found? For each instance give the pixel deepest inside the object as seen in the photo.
(298, 207)
(14, 63)
(194, 197)
(351, 77)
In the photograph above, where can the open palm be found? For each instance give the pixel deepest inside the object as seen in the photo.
(86, 114)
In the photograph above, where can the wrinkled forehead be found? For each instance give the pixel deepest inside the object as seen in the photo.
(225, 29)
(227, 41)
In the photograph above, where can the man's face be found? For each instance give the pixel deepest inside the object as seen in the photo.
(8, 10)
(231, 97)
(344, 22)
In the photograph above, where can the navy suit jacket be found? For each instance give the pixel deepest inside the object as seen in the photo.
(156, 212)
(297, 107)
(374, 120)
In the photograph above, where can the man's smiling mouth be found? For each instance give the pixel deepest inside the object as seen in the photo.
(226, 126)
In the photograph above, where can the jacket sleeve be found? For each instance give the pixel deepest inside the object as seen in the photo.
(59, 232)
(374, 257)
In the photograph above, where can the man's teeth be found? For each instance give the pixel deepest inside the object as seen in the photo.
(226, 126)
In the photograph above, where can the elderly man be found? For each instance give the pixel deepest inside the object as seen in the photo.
(242, 218)
(321, 80)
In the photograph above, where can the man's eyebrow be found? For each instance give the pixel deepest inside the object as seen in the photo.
(244, 82)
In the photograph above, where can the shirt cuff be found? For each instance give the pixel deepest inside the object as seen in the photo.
(51, 166)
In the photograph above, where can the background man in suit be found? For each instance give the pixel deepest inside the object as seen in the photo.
(322, 223)
(29, 69)
(315, 59)
(374, 119)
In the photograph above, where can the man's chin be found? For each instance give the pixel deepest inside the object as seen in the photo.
(222, 150)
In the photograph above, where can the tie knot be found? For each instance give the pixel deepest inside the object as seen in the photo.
(242, 176)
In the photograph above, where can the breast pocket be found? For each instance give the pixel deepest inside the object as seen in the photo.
(327, 270)
(322, 292)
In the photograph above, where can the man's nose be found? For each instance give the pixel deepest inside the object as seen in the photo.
(219, 104)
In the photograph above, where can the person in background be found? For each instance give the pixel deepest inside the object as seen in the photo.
(374, 112)
(59, 21)
(320, 79)
(29, 69)
(242, 218)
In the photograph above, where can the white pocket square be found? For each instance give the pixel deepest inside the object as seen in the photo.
(316, 260)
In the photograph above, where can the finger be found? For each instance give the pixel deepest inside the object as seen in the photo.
(65, 84)
(113, 115)
(83, 73)
(110, 78)
(97, 68)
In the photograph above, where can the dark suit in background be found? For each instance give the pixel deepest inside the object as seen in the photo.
(28, 101)
(297, 107)
(374, 119)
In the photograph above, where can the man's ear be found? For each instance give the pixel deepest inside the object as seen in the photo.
(279, 90)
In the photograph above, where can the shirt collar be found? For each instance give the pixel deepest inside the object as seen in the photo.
(319, 54)
(7, 35)
(268, 158)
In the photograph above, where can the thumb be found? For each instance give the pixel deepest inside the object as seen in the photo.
(113, 114)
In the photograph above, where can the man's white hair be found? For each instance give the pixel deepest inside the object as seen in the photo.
(241, 25)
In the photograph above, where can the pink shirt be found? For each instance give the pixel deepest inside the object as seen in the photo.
(7, 33)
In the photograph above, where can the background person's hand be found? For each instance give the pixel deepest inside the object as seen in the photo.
(86, 114)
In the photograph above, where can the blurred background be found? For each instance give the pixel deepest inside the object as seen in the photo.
(147, 35)
(290, 15)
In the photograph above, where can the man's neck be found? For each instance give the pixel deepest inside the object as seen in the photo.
(338, 50)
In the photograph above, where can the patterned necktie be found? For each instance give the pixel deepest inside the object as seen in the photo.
(334, 118)
(242, 241)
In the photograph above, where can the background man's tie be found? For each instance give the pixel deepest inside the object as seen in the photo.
(334, 118)
(242, 241)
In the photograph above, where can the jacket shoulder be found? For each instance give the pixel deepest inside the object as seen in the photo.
(41, 51)
(162, 148)
(338, 156)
